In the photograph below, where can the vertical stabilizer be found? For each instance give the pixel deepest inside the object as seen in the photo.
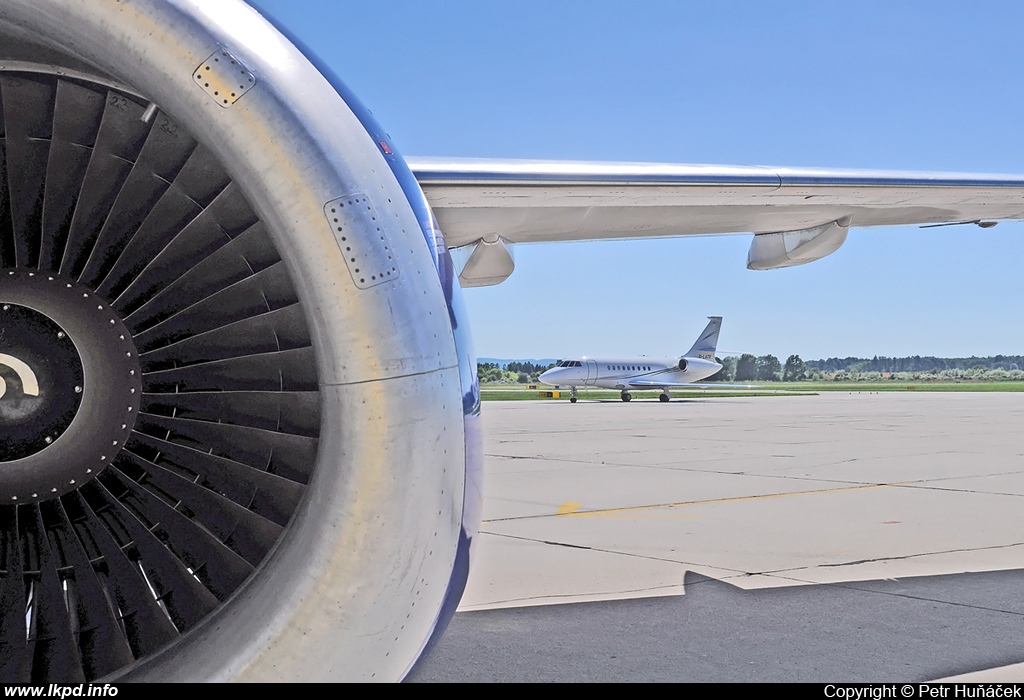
(707, 341)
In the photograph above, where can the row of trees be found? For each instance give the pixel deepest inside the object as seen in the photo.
(767, 368)
(916, 363)
(511, 373)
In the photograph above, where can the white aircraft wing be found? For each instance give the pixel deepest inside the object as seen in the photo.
(647, 384)
(799, 214)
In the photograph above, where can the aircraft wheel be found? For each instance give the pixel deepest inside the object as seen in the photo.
(572, 399)
(626, 396)
(663, 398)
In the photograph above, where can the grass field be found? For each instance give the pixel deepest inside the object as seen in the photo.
(900, 386)
(506, 392)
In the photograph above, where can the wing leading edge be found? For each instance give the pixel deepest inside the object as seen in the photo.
(798, 215)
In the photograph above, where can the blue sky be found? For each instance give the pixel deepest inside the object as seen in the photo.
(934, 86)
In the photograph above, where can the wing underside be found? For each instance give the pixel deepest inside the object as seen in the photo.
(538, 201)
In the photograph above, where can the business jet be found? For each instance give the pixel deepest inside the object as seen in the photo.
(641, 372)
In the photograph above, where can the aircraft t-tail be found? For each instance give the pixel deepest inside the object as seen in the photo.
(641, 372)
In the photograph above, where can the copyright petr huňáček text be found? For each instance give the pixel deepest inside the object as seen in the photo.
(923, 690)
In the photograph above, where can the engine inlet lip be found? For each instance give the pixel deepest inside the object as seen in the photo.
(88, 382)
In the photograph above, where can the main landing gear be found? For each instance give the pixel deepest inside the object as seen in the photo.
(572, 394)
(626, 396)
(665, 396)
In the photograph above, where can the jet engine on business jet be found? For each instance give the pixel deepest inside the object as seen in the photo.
(246, 455)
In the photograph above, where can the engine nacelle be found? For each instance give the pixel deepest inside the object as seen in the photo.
(682, 364)
(489, 263)
(285, 476)
(770, 251)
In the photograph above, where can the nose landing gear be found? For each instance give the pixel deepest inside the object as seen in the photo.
(572, 394)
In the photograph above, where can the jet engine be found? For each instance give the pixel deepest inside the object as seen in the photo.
(682, 364)
(238, 407)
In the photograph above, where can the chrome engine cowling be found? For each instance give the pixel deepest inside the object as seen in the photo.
(251, 449)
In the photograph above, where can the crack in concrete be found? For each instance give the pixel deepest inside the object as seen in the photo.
(565, 544)
(920, 485)
(926, 599)
(905, 557)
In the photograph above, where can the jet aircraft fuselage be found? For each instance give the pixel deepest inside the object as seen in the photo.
(626, 373)
(641, 372)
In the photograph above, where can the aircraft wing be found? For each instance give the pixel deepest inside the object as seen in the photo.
(799, 214)
(647, 384)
